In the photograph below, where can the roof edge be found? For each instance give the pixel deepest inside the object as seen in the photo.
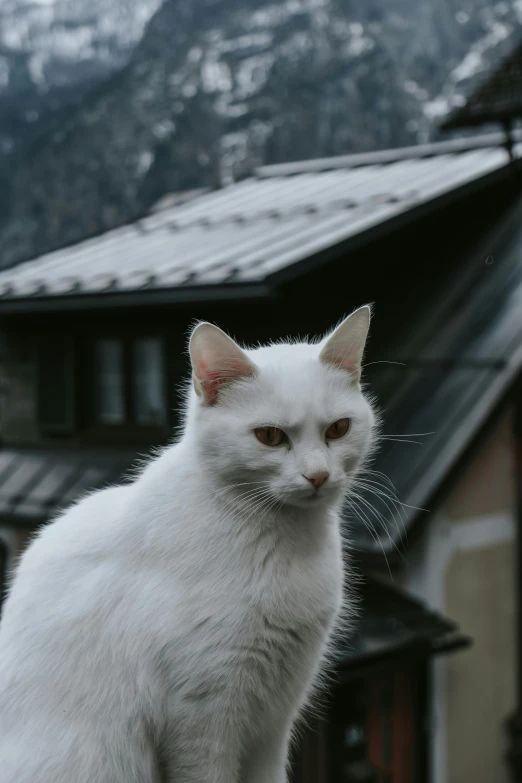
(467, 144)
(189, 295)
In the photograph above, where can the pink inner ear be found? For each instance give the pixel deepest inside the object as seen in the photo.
(339, 356)
(211, 386)
(348, 363)
(212, 377)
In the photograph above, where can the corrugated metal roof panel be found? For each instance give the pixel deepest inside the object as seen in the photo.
(446, 390)
(35, 484)
(251, 230)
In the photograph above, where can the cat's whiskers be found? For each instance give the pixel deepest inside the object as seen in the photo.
(383, 489)
(228, 488)
(406, 505)
(403, 438)
(382, 483)
(371, 529)
(247, 500)
(379, 491)
(371, 509)
(381, 518)
(253, 506)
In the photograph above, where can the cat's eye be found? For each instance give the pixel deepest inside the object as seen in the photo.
(270, 436)
(337, 429)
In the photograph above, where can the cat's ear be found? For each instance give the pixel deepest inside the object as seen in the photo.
(344, 348)
(216, 359)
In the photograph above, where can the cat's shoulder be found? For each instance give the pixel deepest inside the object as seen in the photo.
(92, 517)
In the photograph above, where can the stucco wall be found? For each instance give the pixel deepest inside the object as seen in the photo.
(480, 684)
(465, 567)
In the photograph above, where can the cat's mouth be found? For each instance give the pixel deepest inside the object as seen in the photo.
(306, 497)
(317, 496)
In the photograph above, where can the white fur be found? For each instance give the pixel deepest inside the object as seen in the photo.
(172, 628)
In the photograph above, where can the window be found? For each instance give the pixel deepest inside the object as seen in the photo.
(108, 370)
(129, 382)
(56, 388)
(148, 381)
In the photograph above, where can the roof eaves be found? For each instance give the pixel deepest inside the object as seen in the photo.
(413, 212)
(185, 295)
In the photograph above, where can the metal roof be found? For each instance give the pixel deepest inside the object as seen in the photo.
(36, 483)
(251, 232)
(461, 361)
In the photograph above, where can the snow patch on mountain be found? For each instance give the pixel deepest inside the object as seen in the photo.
(501, 35)
(54, 34)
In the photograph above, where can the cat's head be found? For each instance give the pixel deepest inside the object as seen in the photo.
(285, 423)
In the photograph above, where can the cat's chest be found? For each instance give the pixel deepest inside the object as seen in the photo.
(262, 622)
(290, 596)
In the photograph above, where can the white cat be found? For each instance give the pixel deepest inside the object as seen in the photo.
(171, 629)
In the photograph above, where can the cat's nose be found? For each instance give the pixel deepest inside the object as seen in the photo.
(318, 479)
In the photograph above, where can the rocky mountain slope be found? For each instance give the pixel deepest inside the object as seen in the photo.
(52, 51)
(207, 89)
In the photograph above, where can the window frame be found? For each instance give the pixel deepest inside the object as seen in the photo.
(128, 430)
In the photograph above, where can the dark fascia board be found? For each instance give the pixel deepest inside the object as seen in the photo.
(143, 298)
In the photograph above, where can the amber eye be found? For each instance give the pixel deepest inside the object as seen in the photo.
(270, 436)
(337, 429)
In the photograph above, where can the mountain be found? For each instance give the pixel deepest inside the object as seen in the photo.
(53, 51)
(207, 89)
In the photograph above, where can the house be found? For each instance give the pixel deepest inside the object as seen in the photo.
(497, 100)
(92, 353)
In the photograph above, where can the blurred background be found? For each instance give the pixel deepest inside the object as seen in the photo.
(270, 167)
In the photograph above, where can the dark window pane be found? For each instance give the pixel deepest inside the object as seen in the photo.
(110, 406)
(149, 381)
(56, 402)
